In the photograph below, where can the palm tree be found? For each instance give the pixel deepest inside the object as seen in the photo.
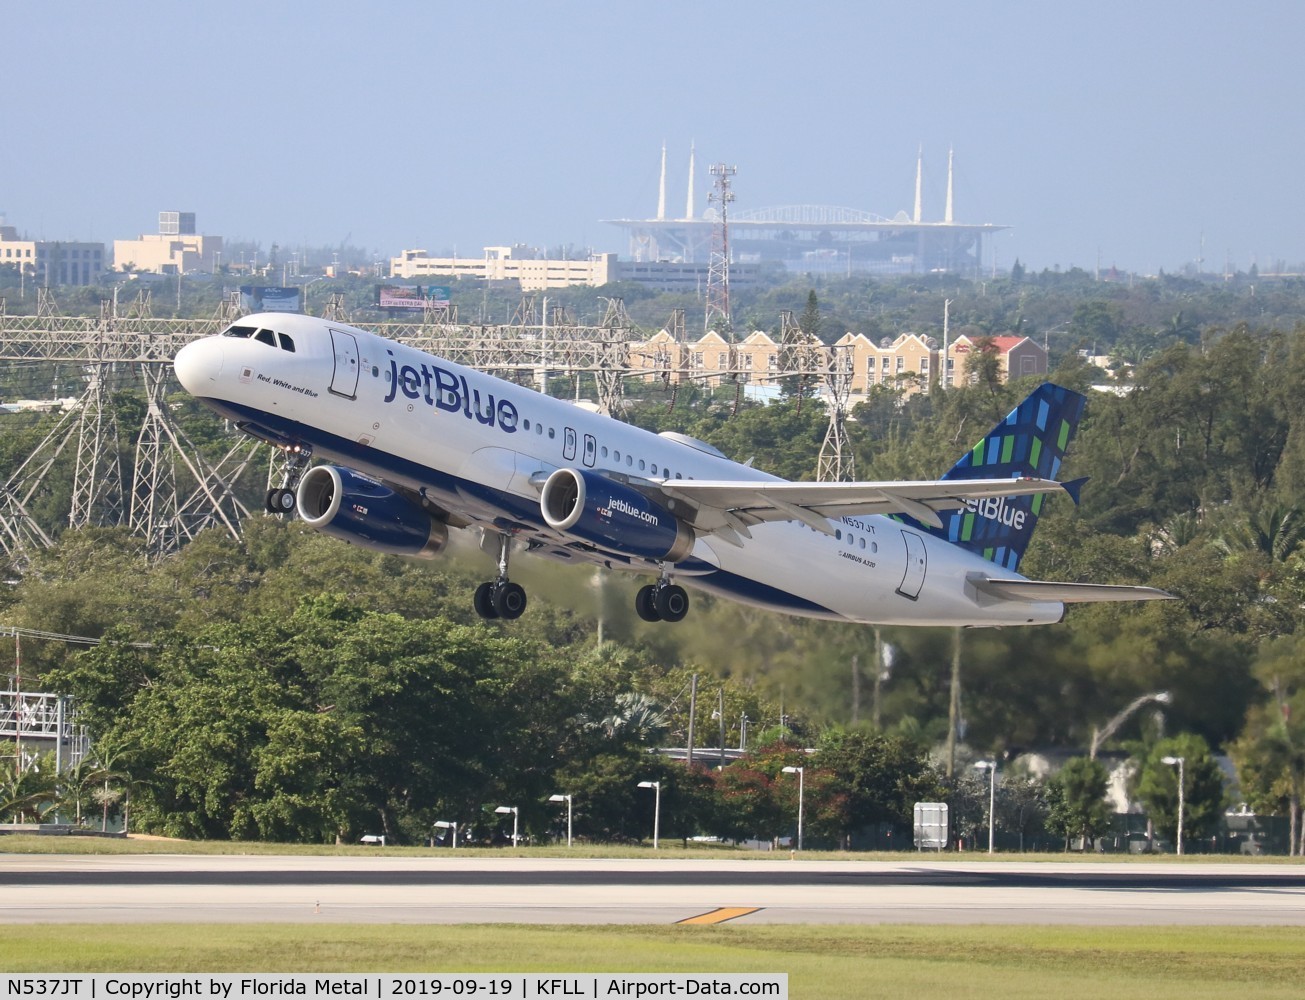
(1275, 531)
(26, 794)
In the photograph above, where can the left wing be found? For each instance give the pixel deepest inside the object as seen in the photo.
(737, 504)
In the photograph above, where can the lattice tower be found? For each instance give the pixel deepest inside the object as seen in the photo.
(97, 476)
(718, 265)
(837, 463)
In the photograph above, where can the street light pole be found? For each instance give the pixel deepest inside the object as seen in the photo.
(567, 800)
(1171, 761)
(991, 767)
(515, 815)
(801, 773)
(656, 786)
(1100, 736)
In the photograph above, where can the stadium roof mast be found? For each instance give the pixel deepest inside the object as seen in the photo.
(718, 267)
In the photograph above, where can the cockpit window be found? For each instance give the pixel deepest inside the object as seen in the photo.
(286, 343)
(266, 337)
(239, 331)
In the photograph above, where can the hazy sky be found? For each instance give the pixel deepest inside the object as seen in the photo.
(1125, 133)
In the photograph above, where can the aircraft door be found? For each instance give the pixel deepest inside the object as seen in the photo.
(591, 451)
(568, 443)
(916, 563)
(344, 380)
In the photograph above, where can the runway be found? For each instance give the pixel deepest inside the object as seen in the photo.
(482, 889)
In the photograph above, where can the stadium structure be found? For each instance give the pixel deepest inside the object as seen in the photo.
(815, 238)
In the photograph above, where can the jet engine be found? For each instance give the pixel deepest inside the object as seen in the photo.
(613, 516)
(357, 509)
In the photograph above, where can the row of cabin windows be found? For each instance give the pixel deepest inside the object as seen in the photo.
(854, 541)
(643, 464)
(263, 335)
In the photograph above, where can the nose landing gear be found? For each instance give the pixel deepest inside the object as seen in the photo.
(294, 460)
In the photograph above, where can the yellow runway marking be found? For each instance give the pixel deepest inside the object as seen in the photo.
(720, 915)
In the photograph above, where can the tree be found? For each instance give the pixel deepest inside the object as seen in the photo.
(1204, 798)
(1076, 801)
(880, 777)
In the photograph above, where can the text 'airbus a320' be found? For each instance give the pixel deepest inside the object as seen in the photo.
(416, 445)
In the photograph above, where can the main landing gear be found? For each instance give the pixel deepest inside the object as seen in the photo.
(296, 460)
(662, 601)
(500, 598)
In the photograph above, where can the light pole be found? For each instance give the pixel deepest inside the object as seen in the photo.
(444, 824)
(991, 767)
(1100, 736)
(656, 786)
(1171, 761)
(801, 773)
(567, 800)
(515, 815)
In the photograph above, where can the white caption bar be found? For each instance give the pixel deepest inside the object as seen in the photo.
(391, 986)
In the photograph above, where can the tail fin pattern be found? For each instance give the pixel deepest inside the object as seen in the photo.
(1031, 441)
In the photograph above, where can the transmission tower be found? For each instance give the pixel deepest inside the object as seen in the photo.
(613, 356)
(837, 463)
(97, 477)
(718, 267)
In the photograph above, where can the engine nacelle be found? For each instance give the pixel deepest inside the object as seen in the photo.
(355, 508)
(613, 516)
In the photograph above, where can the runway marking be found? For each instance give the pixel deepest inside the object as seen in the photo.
(720, 915)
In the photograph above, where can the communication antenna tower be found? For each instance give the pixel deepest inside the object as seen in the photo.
(718, 268)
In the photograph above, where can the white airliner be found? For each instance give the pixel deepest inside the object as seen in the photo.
(417, 445)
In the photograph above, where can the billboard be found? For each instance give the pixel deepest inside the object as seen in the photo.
(411, 296)
(257, 298)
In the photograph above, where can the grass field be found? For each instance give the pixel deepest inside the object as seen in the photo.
(823, 963)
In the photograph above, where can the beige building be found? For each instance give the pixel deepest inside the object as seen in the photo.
(535, 273)
(51, 262)
(1016, 356)
(908, 364)
(175, 249)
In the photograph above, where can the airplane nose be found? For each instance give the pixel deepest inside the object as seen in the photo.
(198, 365)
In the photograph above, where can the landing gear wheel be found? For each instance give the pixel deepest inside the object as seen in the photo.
(645, 603)
(672, 603)
(280, 501)
(484, 601)
(509, 600)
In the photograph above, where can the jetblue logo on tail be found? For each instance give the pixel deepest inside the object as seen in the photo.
(1031, 442)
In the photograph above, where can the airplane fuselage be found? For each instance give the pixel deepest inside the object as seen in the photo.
(478, 448)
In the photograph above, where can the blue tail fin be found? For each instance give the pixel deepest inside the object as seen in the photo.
(1031, 441)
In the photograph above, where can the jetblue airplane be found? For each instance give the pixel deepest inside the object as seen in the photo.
(416, 445)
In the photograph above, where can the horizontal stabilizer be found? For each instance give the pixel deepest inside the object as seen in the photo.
(1033, 591)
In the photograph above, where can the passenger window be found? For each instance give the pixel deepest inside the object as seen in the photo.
(289, 345)
(616, 456)
(265, 337)
(629, 460)
(641, 465)
(551, 433)
(654, 469)
(525, 424)
(604, 449)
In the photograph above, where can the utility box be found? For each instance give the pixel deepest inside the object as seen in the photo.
(931, 826)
